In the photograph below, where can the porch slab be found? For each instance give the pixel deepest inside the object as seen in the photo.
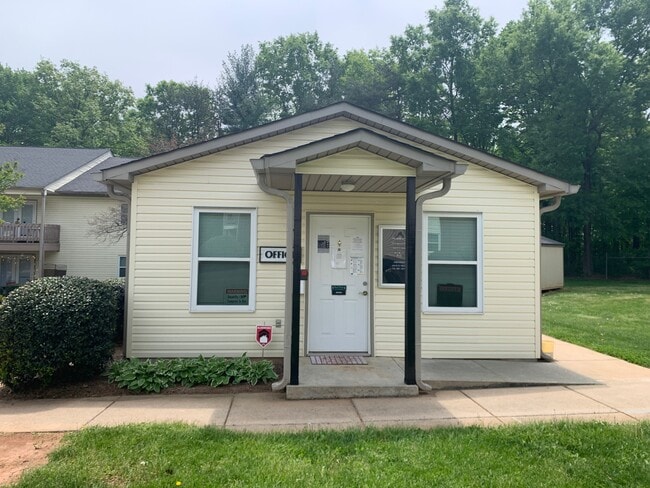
(485, 373)
(381, 377)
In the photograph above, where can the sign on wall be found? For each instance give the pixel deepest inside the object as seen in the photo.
(273, 254)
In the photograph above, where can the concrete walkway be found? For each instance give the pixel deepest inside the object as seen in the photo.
(604, 388)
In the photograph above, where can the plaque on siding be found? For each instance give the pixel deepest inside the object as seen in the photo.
(393, 260)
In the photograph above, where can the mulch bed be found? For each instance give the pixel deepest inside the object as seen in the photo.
(100, 387)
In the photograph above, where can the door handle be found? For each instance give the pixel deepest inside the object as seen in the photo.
(364, 293)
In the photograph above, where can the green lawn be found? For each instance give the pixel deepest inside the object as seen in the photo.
(612, 317)
(541, 455)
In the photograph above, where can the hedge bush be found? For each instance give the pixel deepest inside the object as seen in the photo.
(56, 329)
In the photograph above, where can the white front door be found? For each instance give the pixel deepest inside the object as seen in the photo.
(339, 284)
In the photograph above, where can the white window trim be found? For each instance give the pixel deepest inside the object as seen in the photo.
(380, 270)
(479, 265)
(251, 259)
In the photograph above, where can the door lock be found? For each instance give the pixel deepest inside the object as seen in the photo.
(364, 293)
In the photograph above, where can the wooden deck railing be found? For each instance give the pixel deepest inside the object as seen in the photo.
(29, 233)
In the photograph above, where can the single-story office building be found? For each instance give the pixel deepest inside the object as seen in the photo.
(344, 230)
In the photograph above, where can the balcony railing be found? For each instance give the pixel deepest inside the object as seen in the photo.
(29, 233)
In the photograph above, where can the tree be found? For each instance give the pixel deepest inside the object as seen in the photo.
(179, 114)
(570, 96)
(439, 64)
(370, 80)
(9, 176)
(17, 113)
(240, 100)
(68, 106)
(298, 73)
(110, 224)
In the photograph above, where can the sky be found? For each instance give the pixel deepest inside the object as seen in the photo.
(142, 42)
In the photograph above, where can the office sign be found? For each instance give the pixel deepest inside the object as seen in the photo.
(273, 254)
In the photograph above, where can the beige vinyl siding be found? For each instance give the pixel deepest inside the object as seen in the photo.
(508, 326)
(83, 254)
(161, 242)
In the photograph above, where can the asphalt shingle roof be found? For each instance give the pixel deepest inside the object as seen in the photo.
(86, 182)
(44, 165)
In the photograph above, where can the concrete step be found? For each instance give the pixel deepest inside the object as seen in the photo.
(315, 392)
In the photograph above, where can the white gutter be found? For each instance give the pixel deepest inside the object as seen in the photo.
(41, 240)
(125, 197)
(288, 315)
(419, 202)
(553, 206)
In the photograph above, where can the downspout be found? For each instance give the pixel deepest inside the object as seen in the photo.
(124, 197)
(262, 183)
(554, 205)
(419, 202)
(41, 240)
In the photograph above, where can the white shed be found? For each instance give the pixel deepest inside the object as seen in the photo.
(552, 275)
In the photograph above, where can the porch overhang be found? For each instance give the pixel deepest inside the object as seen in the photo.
(363, 161)
(328, 163)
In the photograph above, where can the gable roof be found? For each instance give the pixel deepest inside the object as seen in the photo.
(45, 167)
(87, 182)
(428, 168)
(548, 186)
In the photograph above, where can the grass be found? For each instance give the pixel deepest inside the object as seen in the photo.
(607, 316)
(539, 455)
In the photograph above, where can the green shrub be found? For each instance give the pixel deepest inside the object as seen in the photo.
(153, 376)
(56, 329)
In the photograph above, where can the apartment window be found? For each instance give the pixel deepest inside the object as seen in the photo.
(21, 215)
(121, 266)
(453, 275)
(223, 263)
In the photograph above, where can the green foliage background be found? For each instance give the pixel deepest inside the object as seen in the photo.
(564, 90)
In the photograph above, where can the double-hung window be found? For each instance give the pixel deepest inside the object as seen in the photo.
(223, 264)
(453, 275)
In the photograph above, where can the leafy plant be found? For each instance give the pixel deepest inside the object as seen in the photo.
(56, 329)
(153, 376)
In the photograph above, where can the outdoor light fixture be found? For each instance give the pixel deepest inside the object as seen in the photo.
(347, 186)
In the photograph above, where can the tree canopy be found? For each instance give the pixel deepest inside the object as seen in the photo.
(565, 89)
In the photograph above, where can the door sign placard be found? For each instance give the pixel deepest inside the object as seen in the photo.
(339, 259)
(357, 266)
(357, 248)
(323, 244)
(339, 289)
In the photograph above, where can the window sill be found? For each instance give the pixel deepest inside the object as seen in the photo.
(453, 311)
(220, 309)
